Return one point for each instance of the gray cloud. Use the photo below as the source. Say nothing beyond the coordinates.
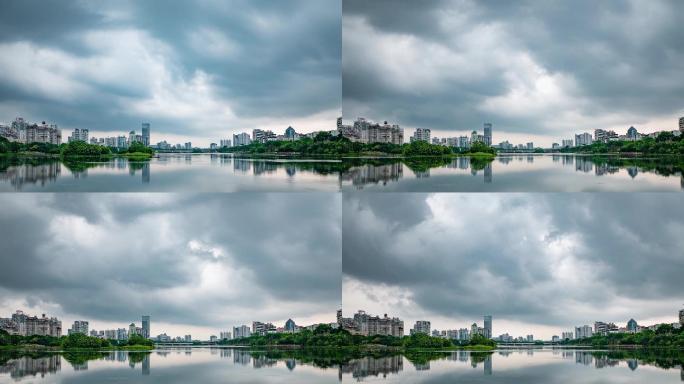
(542, 69)
(556, 260)
(201, 260)
(192, 68)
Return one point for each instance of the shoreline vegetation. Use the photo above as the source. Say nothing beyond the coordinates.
(665, 144)
(327, 145)
(73, 150)
(664, 337)
(73, 342)
(325, 336)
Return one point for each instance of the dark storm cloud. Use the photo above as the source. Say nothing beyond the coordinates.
(110, 66)
(547, 259)
(540, 68)
(112, 257)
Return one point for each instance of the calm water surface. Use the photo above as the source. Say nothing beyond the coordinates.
(224, 173)
(218, 365)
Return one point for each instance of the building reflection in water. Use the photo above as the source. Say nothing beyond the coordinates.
(28, 366)
(373, 174)
(41, 174)
(371, 366)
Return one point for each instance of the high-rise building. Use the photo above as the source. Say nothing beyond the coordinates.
(121, 334)
(26, 325)
(78, 135)
(379, 133)
(421, 326)
(632, 134)
(681, 124)
(34, 133)
(368, 325)
(291, 134)
(146, 326)
(224, 335)
(681, 317)
(488, 326)
(421, 134)
(132, 330)
(583, 331)
(567, 335)
(241, 331)
(241, 139)
(530, 338)
(530, 146)
(131, 138)
(567, 143)
(583, 139)
(632, 326)
(474, 330)
(79, 326)
(260, 135)
(290, 326)
(146, 135)
(488, 134)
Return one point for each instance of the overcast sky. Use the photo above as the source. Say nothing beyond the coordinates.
(537, 70)
(197, 264)
(196, 70)
(538, 263)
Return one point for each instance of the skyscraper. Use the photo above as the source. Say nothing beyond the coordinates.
(79, 326)
(488, 133)
(146, 326)
(146, 134)
(421, 326)
(681, 124)
(488, 326)
(681, 316)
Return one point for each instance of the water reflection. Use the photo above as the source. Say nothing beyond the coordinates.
(220, 172)
(502, 365)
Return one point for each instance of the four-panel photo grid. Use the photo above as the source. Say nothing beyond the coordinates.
(325, 191)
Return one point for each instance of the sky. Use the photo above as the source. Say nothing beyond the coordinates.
(540, 264)
(197, 264)
(537, 70)
(195, 70)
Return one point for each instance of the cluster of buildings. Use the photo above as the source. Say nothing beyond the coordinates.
(22, 131)
(369, 325)
(119, 142)
(25, 325)
(462, 334)
(424, 134)
(602, 328)
(262, 136)
(82, 327)
(261, 329)
(604, 136)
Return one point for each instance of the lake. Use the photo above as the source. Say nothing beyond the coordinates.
(225, 173)
(218, 365)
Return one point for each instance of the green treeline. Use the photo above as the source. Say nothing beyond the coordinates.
(74, 341)
(665, 144)
(664, 337)
(326, 144)
(326, 336)
(73, 149)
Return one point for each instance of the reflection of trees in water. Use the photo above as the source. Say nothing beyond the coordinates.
(21, 364)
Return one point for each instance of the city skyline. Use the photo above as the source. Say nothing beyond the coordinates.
(452, 65)
(228, 67)
(195, 263)
(539, 264)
